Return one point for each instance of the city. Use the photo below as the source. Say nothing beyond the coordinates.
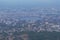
(13, 21)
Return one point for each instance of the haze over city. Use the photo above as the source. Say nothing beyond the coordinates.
(29, 19)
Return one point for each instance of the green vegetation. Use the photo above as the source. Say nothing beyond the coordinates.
(44, 35)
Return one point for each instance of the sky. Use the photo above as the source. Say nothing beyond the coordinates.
(29, 2)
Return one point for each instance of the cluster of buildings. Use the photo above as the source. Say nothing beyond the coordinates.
(28, 20)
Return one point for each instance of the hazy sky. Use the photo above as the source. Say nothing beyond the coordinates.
(30, 2)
